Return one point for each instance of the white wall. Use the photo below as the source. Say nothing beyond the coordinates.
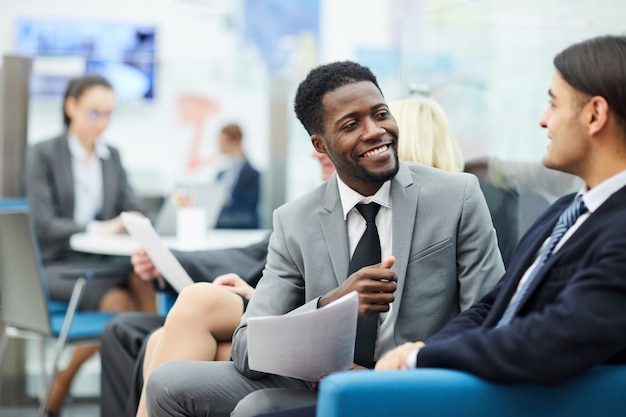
(199, 52)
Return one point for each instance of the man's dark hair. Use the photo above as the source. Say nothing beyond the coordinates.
(597, 67)
(77, 87)
(321, 80)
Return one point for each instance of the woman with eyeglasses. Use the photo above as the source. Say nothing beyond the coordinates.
(76, 183)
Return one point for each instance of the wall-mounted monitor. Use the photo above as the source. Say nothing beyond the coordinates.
(122, 52)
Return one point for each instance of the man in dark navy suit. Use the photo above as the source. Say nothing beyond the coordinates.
(560, 308)
(241, 181)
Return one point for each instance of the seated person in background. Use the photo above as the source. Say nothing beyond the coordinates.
(439, 246)
(425, 135)
(242, 183)
(195, 313)
(76, 183)
(560, 309)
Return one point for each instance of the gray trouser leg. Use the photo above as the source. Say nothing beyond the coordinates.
(274, 399)
(194, 388)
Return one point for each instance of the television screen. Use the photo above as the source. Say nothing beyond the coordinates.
(124, 53)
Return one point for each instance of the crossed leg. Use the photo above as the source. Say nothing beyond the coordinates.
(199, 326)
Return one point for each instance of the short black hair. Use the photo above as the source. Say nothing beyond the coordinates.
(321, 80)
(597, 67)
(77, 87)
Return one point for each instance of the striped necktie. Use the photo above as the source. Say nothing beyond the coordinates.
(566, 220)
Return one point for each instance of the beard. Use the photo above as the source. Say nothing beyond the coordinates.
(381, 176)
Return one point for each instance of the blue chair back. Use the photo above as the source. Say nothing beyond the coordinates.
(165, 301)
(23, 286)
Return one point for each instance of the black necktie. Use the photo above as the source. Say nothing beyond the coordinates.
(367, 252)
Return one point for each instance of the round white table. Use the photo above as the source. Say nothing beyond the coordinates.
(124, 245)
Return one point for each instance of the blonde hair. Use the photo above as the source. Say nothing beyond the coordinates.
(425, 135)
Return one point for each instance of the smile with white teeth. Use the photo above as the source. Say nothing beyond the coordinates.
(376, 151)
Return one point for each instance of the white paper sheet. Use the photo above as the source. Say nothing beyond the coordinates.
(143, 232)
(306, 345)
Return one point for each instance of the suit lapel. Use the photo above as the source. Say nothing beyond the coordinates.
(335, 230)
(404, 198)
(589, 223)
(109, 179)
(64, 177)
(523, 257)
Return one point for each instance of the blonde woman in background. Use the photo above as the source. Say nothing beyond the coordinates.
(425, 135)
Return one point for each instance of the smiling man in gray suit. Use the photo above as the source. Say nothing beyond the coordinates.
(438, 249)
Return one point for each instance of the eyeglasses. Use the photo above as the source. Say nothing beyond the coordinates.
(95, 115)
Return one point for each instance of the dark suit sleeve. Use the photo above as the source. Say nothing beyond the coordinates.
(205, 266)
(471, 318)
(582, 325)
(43, 196)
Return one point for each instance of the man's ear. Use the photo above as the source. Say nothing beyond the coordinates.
(598, 115)
(319, 143)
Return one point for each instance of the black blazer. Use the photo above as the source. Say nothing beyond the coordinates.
(572, 318)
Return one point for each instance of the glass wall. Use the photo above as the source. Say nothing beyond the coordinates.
(489, 64)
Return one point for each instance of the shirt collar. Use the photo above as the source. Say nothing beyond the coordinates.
(595, 197)
(350, 198)
(78, 151)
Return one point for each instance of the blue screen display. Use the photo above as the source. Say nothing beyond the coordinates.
(124, 53)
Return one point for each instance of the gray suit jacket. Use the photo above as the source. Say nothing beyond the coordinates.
(443, 241)
(50, 193)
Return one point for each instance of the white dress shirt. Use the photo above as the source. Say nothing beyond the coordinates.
(88, 185)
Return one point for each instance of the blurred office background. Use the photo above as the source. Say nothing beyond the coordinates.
(183, 68)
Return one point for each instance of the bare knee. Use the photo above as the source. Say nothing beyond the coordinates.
(117, 299)
(197, 300)
(153, 340)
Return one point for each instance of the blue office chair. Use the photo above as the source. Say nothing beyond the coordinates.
(27, 310)
(448, 393)
(165, 301)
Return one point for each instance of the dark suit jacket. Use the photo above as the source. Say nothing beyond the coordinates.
(50, 193)
(241, 211)
(205, 265)
(572, 318)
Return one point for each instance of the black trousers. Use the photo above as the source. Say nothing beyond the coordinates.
(122, 350)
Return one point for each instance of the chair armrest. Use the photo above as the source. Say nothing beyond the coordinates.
(447, 393)
(104, 271)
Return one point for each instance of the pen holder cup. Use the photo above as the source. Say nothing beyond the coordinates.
(191, 227)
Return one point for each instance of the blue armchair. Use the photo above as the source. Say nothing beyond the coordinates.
(447, 393)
